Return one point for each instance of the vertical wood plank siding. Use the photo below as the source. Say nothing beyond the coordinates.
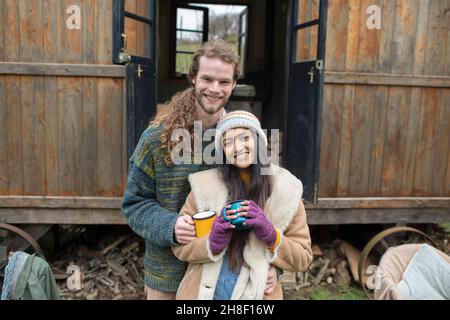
(60, 135)
(382, 140)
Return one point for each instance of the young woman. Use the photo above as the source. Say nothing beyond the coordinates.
(230, 263)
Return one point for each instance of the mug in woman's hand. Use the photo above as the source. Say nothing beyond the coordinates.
(238, 222)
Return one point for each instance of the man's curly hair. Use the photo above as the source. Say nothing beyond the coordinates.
(180, 116)
(182, 105)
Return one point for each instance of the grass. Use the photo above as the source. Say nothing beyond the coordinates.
(184, 60)
(328, 293)
(446, 227)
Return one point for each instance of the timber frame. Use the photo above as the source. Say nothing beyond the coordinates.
(106, 210)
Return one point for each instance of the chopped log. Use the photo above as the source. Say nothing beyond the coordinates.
(288, 279)
(342, 276)
(93, 295)
(117, 268)
(331, 271)
(316, 251)
(113, 245)
(353, 256)
(105, 280)
(125, 278)
(131, 247)
(314, 264)
(303, 285)
(322, 272)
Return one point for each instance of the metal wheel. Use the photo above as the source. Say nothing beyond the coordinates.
(24, 235)
(381, 243)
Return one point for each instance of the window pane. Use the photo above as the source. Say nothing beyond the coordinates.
(307, 10)
(188, 41)
(138, 37)
(189, 19)
(138, 7)
(223, 23)
(307, 44)
(183, 63)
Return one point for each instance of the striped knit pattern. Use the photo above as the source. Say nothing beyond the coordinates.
(12, 271)
(154, 195)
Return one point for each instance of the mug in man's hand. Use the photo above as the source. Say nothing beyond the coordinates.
(203, 222)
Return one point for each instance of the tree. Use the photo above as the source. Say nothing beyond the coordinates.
(224, 26)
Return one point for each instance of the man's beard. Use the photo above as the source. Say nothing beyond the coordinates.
(198, 97)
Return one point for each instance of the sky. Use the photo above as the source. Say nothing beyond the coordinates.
(191, 18)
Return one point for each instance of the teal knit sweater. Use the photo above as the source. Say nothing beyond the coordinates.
(153, 197)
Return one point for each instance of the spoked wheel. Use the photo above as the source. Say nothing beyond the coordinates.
(377, 246)
(22, 234)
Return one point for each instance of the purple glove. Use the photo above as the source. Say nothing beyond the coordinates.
(257, 220)
(220, 235)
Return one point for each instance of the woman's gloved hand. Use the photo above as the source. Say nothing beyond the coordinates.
(220, 235)
(263, 228)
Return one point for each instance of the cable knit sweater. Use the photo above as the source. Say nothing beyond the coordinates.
(153, 197)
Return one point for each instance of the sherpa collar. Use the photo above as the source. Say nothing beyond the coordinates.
(210, 193)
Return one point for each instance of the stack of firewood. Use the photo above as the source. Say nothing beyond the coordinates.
(331, 266)
(114, 273)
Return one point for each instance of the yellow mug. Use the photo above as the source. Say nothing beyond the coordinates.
(203, 222)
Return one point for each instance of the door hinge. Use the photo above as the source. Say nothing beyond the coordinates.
(140, 71)
(319, 65)
(124, 56)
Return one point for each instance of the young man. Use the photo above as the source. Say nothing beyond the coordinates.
(156, 187)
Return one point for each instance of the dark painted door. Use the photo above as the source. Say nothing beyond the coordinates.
(140, 68)
(306, 48)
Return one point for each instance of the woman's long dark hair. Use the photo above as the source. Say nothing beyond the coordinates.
(258, 190)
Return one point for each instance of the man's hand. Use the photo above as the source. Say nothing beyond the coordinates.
(184, 229)
(272, 279)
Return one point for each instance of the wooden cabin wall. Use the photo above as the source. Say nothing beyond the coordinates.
(62, 108)
(385, 124)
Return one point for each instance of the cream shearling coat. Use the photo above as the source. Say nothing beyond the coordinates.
(285, 210)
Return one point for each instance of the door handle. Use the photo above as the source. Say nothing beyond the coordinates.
(311, 75)
(140, 71)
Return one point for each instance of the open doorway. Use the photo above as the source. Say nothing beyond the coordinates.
(200, 22)
(281, 87)
(246, 24)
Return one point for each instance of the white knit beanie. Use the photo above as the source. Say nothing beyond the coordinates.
(238, 119)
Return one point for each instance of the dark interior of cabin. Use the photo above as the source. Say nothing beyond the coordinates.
(256, 28)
